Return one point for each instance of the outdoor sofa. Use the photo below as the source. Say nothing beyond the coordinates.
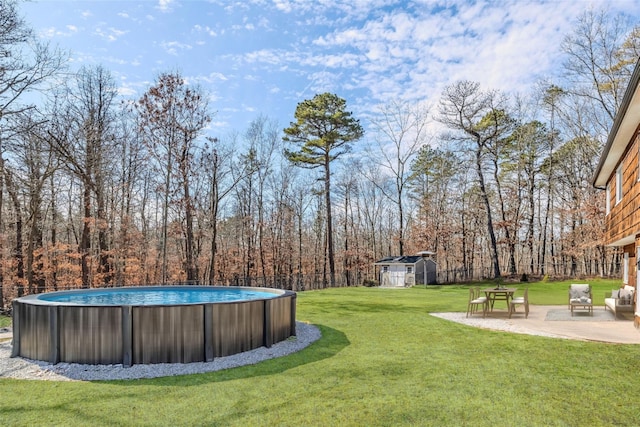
(619, 300)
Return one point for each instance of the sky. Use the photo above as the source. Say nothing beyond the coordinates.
(263, 57)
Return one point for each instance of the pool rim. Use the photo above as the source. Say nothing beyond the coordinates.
(36, 300)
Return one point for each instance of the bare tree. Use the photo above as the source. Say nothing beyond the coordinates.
(25, 63)
(477, 117)
(34, 164)
(598, 68)
(401, 129)
(82, 134)
(223, 175)
(172, 116)
(431, 181)
(261, 137)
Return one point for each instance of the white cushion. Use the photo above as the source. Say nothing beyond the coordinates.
(611, 303)
(577, 291)
(615, 293)
(518, 300)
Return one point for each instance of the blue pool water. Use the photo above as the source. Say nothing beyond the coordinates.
(166, 296)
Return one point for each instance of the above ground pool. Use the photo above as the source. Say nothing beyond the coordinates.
(150, 324)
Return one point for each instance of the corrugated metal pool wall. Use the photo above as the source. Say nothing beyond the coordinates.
(149, 334)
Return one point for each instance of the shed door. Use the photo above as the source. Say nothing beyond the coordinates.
(396, 276)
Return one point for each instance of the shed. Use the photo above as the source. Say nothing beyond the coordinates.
(404, 271)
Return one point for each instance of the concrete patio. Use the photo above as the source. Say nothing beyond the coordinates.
(580, 327)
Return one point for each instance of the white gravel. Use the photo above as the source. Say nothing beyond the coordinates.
(495, 324)
(21, 368)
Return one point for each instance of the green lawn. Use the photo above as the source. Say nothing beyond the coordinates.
(382, 360)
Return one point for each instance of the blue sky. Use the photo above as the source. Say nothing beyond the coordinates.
(263, 57)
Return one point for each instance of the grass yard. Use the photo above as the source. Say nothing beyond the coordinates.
(382, 360)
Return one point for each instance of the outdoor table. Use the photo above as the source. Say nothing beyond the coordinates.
(499, 294)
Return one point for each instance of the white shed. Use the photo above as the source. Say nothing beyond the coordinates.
(404, 271)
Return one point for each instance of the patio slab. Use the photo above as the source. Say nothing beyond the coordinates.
(580, 327)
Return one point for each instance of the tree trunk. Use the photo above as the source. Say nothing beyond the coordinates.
(401, 225)
(165, 216)
(85, 241)
(54, 239)
(505, 223)
(104, 267)
(487, 204)
(327, 196)
(17, 252)
(213, 218)
(192, 273)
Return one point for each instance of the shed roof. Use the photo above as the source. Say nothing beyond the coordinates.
(399, 260)
(624, 126)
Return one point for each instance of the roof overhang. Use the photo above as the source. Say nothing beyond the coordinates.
(624, 126)
(624, 241)
(395, 263)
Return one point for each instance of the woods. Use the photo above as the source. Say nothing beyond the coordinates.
(97, 189)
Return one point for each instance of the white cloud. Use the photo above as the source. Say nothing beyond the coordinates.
(212, 78)
(165, 5)
(263, 56)
(285, 6)
(172, 48)
(126, 92)
(110, 34)
(206, 30)
(218, 124)
(417, 51)
(368, 51)
(51, 32)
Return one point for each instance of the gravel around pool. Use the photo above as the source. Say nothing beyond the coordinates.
(19, 368)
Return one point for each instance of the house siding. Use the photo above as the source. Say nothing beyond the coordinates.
(623, 222)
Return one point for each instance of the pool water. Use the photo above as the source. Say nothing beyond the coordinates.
(170, 296)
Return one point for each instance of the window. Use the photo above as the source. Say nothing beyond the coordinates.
(385, 268)
(608, 198)
(619, 184)
(409, 270)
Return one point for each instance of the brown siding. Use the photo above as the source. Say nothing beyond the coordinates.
(624, 219)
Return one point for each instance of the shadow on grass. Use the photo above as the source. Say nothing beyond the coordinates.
(330, 343)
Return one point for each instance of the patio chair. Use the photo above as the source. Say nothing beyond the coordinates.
(580, 298)
(523, 300)
(478, 296)
(475, 301)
